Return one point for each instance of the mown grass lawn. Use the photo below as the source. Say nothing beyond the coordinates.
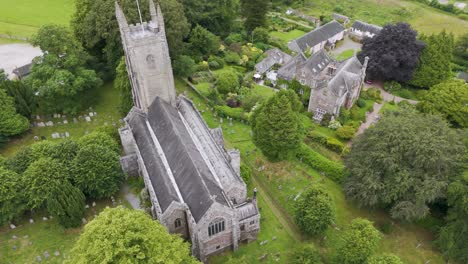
(24, 17)
(287, 179)
(346, 54)
(287, 36)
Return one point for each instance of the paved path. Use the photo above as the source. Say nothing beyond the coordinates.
(131, 198)
(17, 55)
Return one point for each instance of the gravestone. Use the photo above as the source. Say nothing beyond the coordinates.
(41, 124)
(46, 254)
(83, 220)
(38, 258)
(75, 120)
(38, 117)
(55, 115)
(91, 114)
(59, 123)
(36, 138)
(57, 253)
(12, 226)
(14, 237)
(55, 135)
(67, 134)
(44, 218)
(65, 122)
(50, 124)
(94, 204)
(59, 115)
(88, 119)
(13, 247)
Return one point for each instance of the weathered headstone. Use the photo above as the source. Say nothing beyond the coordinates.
(41, 124)
(67, 134)
(50, 124)
(38, 258)
(65, 122)
(94, 204)
(57, 253)
(87, 206)
(36, 138)
(59, 123)
(46, 254)
(38, 117)
(14, 237)
(83, 220)
(12, 226)
(44, 218)
(88, 119)
(75, 120)
(91, 114)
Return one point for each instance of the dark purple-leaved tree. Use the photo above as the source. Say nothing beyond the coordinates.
(393, 53)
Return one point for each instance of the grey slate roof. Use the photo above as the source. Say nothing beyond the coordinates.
(319, 35)
(366, 27)
(288, 71)
(23, 70)
(246, 211)
(340, 17)
(195, 181)
(163, 187)
(317, 62)
(274, 56)
(463, 76)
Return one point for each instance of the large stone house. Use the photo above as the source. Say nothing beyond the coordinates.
(193, 182)
(361, 30)
(319, 38)
(273, 56)
(333, 84)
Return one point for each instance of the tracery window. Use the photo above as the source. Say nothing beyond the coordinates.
(216, 227)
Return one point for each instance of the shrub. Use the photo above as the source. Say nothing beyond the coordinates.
(346, 132)
(331, 169)
(214, 65)
(246, 174)
(227, 82)
(325, 120)
(328, 142)
(335, 145)
(356, 114)
(335, 124)
(217, 59)
(385, 259)
(372, 94)
(235, 113)
(232, 58)
(361, 103)
(392, 86)
(233, 38)
(306, 254)
(250, 100)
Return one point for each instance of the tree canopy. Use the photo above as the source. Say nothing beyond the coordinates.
(385, 259)
(12, 198)
(227, 82)
(403, 162)
(450, 99)
(276, 126)
(95, 26)
(23, 95)
(122, 83)
(60, 77)
(435, 61)
(203, 42)
(119, 235)
(11, 123)
(358, 242)
(314, 211)
(393, 53)
(254, 12)
(306, 255)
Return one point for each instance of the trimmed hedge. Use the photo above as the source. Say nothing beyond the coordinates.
(330, 169)
(234, 113)
(331, 143)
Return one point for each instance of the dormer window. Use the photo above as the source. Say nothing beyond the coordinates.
(216, 227)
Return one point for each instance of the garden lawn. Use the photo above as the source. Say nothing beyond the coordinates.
(107, 98)
(24, 17)
(286, 180)
(380, 12)
(345, 54)
(263, 91)
(287, 36)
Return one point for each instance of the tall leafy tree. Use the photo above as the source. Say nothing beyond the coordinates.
(3, 75)
(122, 83)
(67, 204)
(435, 61)
(460, 51)
(12, 198)
(203, 42)
(254, 12)
(121, 235)
(404, 162)
(314, 211)
(23, 95)
(277, 129)
(216, 16)
(60, 76)
(449, 99)
(358, 242)
(99, 138)
(453, 236)
(97, 171)
(95, 26)
(11, 123)
(393, 53)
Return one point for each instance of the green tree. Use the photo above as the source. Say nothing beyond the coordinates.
(101, 139)
(3, 75)
(23, 95)
(67, 205)
(276, 126)
(203, 42)
(345, 132)
(460, 51)
(184, 66)
(216, 16)
(12, 198)
(227, 82)
(435, 60)
(97, 171)
(385, 259)
(314, 211)
(122, 83)
(306, 254)
(449, 99)
(254, 12)
(60, 76)
(95, 26)
(358, 242)
(404, 162)
(11, 123)
(121, 235)
(20, 161)
(261, 34)
(452, 237)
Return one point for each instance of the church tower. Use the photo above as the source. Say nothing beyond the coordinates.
(147, 57)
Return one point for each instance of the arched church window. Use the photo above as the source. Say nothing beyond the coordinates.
(151, 61)
(177, 223)
(216, 227)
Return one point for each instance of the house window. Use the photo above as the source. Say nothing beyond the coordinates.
(177, 223)
(318, 115)
(242, 227)
(252, 222)
(216, 227)
(303, 81)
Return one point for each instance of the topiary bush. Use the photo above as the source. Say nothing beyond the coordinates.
(361, 103)
(346, 132)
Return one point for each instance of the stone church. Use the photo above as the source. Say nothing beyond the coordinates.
(193, 182)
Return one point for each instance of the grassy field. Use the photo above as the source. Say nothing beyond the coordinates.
(287, 36)
(422, 17)
(106, 109)
(24, 17)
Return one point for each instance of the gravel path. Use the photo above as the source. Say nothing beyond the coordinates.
(17, 55)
